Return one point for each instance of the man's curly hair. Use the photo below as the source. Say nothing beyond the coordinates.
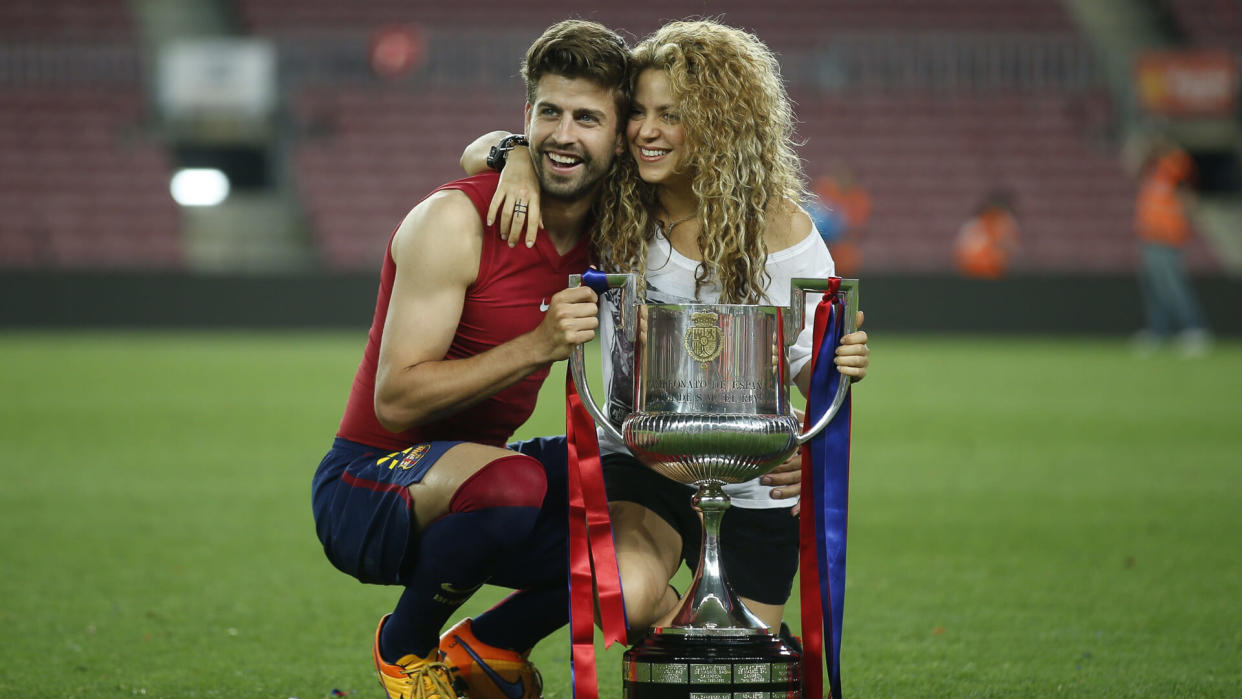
(739, 127)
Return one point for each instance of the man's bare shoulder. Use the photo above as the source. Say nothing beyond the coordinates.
(443, 228)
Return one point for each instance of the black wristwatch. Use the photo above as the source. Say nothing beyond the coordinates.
(500, 152)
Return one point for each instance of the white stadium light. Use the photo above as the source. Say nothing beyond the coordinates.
(199, 187)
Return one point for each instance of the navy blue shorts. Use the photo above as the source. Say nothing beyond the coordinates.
(361, 501)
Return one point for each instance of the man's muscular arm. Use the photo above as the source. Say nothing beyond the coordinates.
(436, 251)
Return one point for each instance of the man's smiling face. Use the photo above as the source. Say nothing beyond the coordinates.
(573, 132)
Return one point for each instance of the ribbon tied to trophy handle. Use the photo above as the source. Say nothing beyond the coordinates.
(600, 282)
(794, 321)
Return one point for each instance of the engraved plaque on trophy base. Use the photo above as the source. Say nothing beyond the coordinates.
(671, 666)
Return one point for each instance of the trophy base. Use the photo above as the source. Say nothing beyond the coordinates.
(705, 666)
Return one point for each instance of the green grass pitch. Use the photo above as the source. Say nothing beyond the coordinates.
(1028, 518)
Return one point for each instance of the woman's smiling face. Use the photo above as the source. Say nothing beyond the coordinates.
(654, 132)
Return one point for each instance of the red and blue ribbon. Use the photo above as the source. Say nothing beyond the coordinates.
(825, 506)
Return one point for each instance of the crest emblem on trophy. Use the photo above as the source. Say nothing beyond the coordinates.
(704, 341)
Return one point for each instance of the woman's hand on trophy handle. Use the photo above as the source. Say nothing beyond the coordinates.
(853, 354)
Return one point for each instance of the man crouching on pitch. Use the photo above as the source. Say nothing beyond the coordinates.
(418, 489)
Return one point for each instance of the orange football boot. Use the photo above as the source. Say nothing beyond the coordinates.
(412, 677)
(489, 672)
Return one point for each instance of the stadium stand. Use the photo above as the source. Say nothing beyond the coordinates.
(927, 156)
(80, 186)
(927, 159)
(781, 23)
(375, 152)
(363, 149)
(65, 20)
(1209, 23)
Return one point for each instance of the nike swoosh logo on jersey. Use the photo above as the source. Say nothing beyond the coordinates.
(543, 306)
(512, 690)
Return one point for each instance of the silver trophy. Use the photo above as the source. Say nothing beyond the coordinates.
(711, 407)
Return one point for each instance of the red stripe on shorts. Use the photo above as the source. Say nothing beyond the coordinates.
(403, 491)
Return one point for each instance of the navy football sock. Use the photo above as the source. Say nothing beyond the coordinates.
(491, 512)
(524, 618)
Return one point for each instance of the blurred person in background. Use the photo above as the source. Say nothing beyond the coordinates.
(841, 210)
(988, 239)
(1162, 223)
(706, 212)
(419, 489)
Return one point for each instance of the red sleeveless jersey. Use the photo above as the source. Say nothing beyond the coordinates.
(508, 299)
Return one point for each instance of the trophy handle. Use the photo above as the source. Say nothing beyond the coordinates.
(601, 282)
(793, 325)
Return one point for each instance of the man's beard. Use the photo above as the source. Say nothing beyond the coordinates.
(570, 188)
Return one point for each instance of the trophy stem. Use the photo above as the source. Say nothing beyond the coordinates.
(710, 603)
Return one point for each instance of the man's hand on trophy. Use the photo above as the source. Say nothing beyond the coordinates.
(853, 354)
(570, 319)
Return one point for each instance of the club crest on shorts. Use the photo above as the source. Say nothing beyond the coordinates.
(406, 458)
(704, 341)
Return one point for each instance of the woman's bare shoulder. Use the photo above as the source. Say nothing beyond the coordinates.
(788, 224)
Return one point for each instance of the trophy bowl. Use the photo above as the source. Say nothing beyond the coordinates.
(697, 448)
(711, 395)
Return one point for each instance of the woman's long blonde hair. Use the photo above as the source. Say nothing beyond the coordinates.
(739, 148)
